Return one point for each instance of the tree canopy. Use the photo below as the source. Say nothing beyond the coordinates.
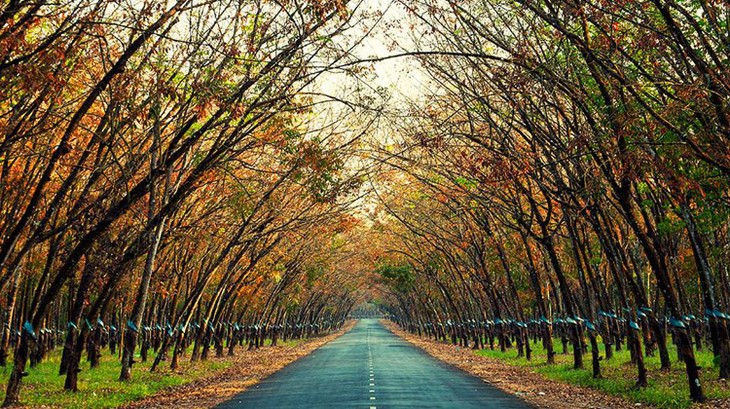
(178, 174)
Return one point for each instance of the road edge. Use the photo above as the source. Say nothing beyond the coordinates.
(249, 368)
(530, 386)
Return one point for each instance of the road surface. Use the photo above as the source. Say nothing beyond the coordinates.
(371, 368)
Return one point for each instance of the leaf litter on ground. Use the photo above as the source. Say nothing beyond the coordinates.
(530, 386)
(248, 369)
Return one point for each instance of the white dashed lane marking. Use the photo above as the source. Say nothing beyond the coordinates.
(371, 390)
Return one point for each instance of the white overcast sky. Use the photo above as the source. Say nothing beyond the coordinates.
(402, 77)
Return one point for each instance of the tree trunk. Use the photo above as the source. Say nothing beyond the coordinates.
(596, 359)
(720, 341)
(12, 393)
(9, 312)
(634, 342)
(71, 383)
(155, 238)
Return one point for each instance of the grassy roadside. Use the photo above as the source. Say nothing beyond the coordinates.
(665, 390)
(559, 386)
(99, 387)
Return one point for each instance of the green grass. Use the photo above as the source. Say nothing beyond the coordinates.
(99, 387)
(665, 390)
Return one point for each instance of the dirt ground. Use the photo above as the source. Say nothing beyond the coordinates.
(531, 386)
(250, 367)
(523, 382)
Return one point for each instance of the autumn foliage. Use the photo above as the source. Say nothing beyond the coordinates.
(162, 183)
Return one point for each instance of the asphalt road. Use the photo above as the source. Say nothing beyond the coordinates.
(371, 368)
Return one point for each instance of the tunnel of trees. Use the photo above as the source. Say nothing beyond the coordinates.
(173, 179)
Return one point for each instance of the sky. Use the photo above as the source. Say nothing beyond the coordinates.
(402, 77)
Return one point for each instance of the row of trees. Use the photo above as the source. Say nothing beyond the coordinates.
(568, 173)
(163, 181)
